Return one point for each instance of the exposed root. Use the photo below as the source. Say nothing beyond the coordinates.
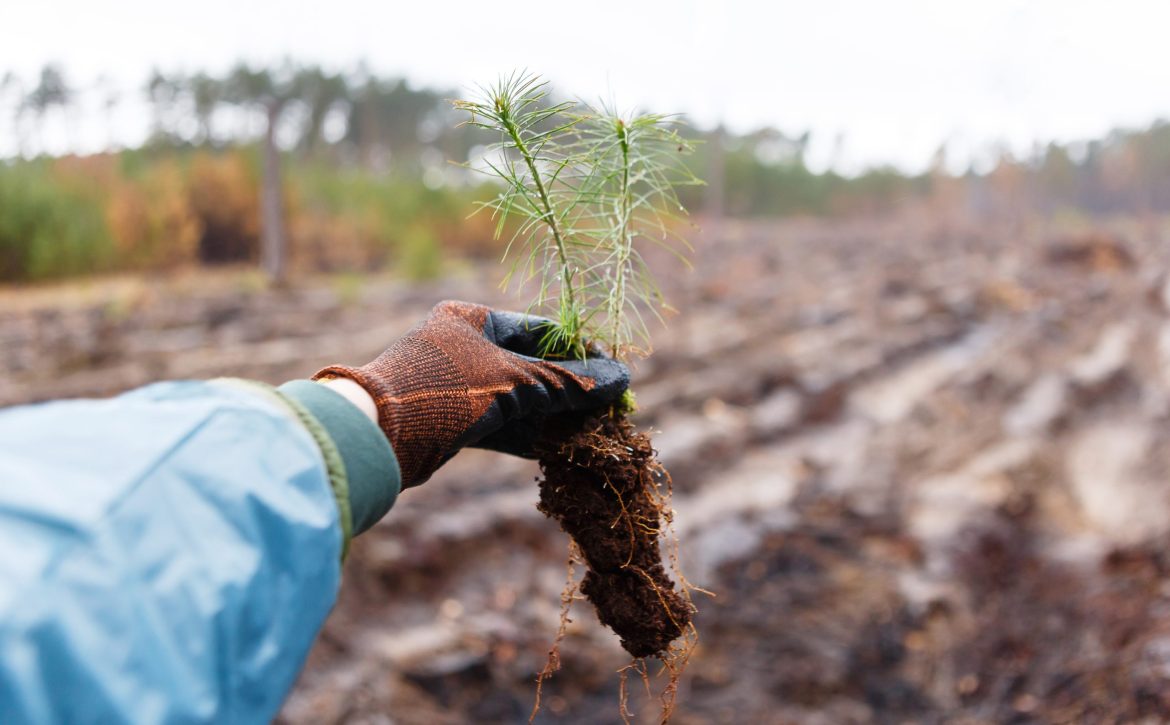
(624, 694)
(604, 486)
(568, 594)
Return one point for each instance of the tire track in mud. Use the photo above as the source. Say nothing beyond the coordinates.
(867, 450)
(703, 439)
(852, 491)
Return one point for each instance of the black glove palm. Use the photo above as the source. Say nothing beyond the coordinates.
(469, 376)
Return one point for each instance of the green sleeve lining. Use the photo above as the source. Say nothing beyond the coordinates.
(371, 467)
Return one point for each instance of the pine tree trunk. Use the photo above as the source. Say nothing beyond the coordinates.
(273, 241)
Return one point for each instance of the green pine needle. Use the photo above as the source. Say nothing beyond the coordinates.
(589, 187)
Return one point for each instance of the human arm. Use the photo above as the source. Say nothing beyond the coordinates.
(170, 554)
(167, 555)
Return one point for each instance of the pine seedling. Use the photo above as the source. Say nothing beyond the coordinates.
(589, 187)
(584, 190)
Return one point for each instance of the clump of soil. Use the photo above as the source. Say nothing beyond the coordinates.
(601, 484)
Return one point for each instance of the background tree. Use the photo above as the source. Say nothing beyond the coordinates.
(163, 92)
(52, 91)
(12, 94)
(320, 93)
(384, 121)
(270, 93)
(109, 98)
(206, 93)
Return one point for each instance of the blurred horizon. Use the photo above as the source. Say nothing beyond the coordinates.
(311, 170)
(871, 86)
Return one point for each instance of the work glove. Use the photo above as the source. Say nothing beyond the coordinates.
(469, 376)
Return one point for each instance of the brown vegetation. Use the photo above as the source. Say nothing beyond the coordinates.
(923, 470)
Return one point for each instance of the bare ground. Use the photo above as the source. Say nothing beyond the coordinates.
(924, 471)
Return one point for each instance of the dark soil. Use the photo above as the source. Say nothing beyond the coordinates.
(601, 484)
(904, 530)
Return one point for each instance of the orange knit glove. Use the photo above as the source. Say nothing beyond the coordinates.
(468, 375)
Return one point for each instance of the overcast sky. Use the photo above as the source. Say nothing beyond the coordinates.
(875, 82)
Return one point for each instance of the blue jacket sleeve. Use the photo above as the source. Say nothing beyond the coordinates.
(165, 556)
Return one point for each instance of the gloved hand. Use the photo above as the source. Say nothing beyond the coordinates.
(468, 376)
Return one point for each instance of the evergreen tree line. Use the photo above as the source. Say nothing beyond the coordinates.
(296, 152)
(385, 125)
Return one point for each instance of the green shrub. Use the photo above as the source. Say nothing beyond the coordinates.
(141, 210)
(49, 227)
(421, 256)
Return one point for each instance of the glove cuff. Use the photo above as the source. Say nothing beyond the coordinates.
(422, 403)
(370, 383)
(382, 396)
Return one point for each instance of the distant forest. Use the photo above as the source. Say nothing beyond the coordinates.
(300, 167)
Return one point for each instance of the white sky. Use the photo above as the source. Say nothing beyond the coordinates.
(875, 82)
